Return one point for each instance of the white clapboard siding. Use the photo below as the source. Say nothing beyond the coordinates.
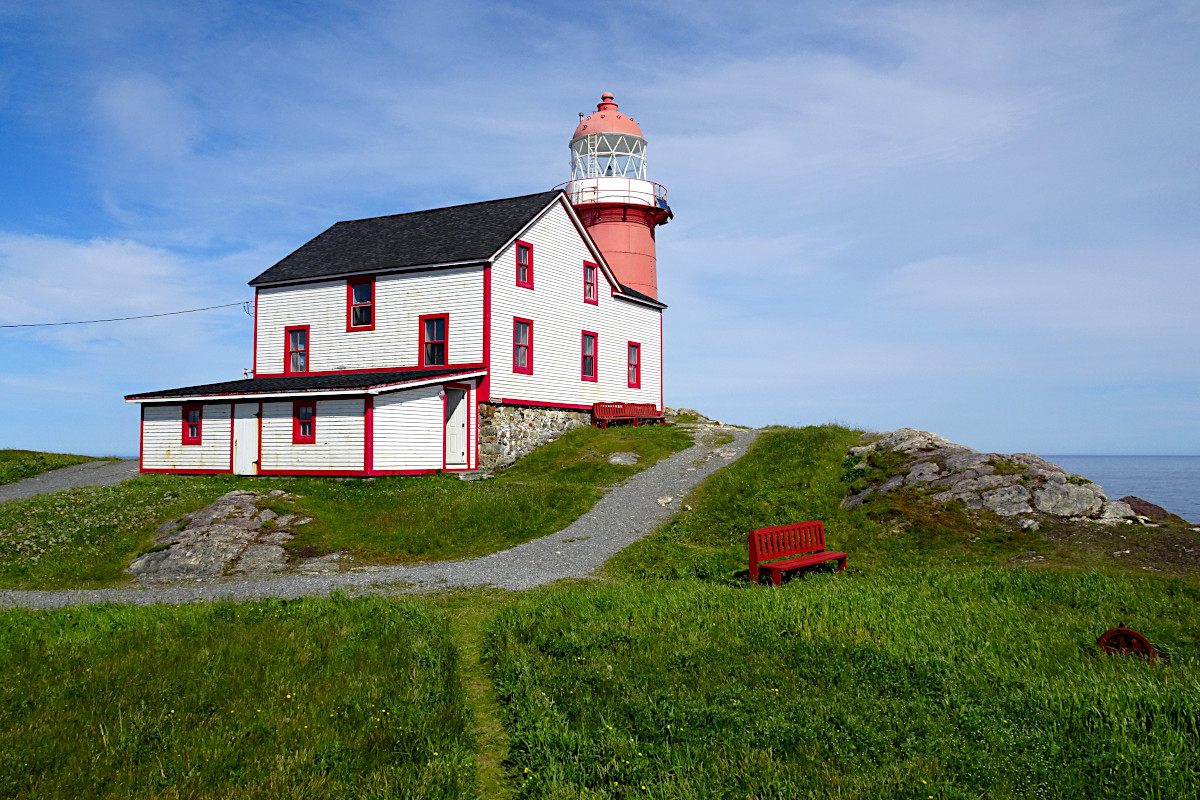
(560, 316)
(162, 438)
(400, 300)
(409, 430)
(339, 437)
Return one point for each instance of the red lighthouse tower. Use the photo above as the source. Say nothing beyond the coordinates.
(616, 203)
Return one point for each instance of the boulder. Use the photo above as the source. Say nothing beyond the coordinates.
(1147, 509)
(922, 472)
(1068, 499)
(623, 459)
(1007, 501)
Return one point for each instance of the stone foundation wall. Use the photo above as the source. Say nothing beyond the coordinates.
(508, 432)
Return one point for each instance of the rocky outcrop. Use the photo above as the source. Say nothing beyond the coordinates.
(230, 535)
(1006, 485)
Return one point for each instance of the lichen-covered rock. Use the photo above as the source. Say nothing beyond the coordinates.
(922, 472)
(1007, 501)
(1068, 499)
(623, 459)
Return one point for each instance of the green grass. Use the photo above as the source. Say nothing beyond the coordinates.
(315, 698)
(86, 537)
(17, 465)
(438, 517)
(961, 683)
(934, 667)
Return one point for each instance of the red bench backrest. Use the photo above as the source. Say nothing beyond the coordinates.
(782, 541)
(608, 410)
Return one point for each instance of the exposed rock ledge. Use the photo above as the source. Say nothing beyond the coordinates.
(1007, 485)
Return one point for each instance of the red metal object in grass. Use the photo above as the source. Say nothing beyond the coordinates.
(1124, 641)
(804, 539)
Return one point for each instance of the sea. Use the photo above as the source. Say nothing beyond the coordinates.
(1172, 482)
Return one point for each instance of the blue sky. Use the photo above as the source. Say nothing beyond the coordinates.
(979, 219)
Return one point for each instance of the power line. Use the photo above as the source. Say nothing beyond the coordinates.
(122, 319)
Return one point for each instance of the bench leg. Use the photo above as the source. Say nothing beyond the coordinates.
(777, 577)
(754, 574)
(841, 565)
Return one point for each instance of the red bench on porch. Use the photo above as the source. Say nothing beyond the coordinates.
(637, 413)
(799, 545)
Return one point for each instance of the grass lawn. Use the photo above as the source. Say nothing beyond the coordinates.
(314, 698)
(16, 465)
(86, 537)
(929, 669)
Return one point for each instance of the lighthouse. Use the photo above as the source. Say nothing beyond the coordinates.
(615, 201)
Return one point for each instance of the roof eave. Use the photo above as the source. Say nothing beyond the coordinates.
(380, 388)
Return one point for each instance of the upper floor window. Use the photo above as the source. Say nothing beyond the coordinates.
(635, 365)
(591, 276)
(360, 304)
(523, 345)
(588, 356)
(434, 333)
(193, 423)
(304, 422)
(525, 264)
(296, 356)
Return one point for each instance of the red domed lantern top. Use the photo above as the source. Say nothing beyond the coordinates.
(607, 119)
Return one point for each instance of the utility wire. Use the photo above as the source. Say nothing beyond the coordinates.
(121, 319)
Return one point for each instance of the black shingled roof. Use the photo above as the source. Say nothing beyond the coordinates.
(472, 232)
(306, 383)
(634, 293)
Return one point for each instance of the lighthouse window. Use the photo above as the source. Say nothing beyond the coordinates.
(193, 421)
(523, 346)
(360, 304)
(525, 265)
(590, 276)
(635, 365)
(433, 340)
(588, 371)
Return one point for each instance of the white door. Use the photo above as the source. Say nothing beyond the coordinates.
(456, 429)
(245, 439)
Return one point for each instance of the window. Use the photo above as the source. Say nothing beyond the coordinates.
(523, 345)
(296, 359)
(360, 304)
(433, 339)
(525, 265)
(635, 365)
(304, 422)
(588, 357)
(590, 277)
(193, 423)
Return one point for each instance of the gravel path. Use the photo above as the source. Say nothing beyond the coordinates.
(91, 473)
(624, 515)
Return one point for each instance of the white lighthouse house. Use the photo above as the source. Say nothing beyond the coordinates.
(615, 201)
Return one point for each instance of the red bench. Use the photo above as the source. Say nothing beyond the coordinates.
(604, 413)
(799, 545)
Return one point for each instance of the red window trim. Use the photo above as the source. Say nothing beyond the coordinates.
(350, 304)
(297, 437)
(635, 380)
(594, 283)
(287, 354)
(199, 437)
(595, 356)
(528, 368)
(421, 339)
(517, 259)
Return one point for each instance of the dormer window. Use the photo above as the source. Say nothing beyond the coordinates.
(296, 358)
(360, 304)
(591, 274)
(525, 265)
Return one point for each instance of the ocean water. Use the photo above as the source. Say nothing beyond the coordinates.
(1172, 482)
